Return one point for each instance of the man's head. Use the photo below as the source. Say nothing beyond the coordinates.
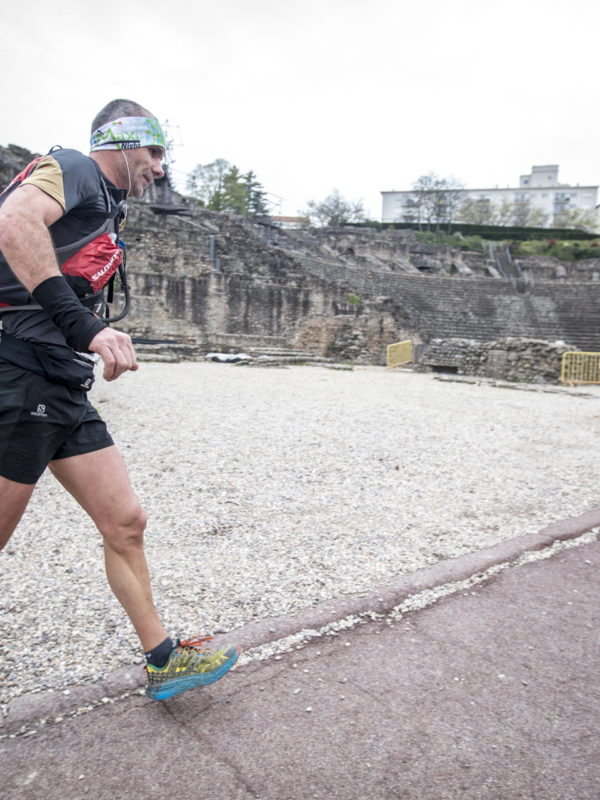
(128, 144)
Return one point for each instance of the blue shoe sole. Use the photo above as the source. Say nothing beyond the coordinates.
(178, 685)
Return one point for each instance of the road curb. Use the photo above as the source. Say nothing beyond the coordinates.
(31, 710)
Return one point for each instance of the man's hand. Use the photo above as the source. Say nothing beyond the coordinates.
(116, 350)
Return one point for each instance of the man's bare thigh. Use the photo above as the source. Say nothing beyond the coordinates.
(13, 502)
(100, 483)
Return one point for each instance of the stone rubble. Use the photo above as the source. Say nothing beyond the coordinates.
(509, 358)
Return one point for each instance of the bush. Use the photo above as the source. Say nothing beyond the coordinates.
(492, 233)
(558, 248)
(475, 243)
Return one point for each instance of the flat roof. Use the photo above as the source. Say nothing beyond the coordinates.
(497, 189)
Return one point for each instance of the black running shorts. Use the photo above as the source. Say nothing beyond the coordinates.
(41, 421)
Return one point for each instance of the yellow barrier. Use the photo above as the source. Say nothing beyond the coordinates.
(580, 368)
(399, 353)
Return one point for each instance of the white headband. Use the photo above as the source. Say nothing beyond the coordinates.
(128, 133)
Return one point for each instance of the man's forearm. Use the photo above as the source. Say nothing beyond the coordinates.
(77, 323)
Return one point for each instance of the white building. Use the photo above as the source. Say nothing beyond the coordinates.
(540, 190)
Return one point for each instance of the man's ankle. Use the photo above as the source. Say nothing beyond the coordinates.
(159, 655)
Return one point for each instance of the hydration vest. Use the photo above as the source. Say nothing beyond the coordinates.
(89, 264)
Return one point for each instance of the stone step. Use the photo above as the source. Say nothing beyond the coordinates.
(279, 352)
(180, 351)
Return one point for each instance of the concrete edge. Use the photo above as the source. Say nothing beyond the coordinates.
(54, 705)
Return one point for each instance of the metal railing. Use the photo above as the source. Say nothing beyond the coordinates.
(399, 353)
(509, 268)
(580, 368)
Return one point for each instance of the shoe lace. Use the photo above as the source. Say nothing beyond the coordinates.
(194, 644)
(191, 644)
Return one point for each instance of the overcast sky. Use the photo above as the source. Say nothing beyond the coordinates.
(355, 95)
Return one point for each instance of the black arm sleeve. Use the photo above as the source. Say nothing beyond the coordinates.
(77, 323)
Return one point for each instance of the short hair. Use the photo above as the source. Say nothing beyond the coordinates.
(119, 108)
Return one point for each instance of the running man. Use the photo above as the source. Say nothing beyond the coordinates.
(59, 248)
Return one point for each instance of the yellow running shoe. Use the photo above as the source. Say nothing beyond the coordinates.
(190, 665)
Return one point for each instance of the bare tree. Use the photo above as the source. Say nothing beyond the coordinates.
(334, 211)
(452, 200)
(576, 218)
(205, 182)
(504, 212)
(522, 211)
(537, 218)
(477, 211)
(435, 200)
(411, 210)
(426, 195)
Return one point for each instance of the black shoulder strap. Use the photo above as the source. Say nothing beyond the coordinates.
(115, 210)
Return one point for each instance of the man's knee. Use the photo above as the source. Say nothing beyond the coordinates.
(126, 533)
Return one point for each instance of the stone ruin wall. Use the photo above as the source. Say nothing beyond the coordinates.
(293, 290)
(508, 359)
(255, 296)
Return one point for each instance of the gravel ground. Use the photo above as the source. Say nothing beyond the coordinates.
(269, 490)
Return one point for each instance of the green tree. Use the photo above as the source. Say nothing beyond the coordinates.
(219, 186)
(256, 196)
(234, 198)
(334, 211)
